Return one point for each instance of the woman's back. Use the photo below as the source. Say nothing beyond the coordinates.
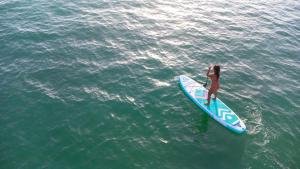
(214, 81)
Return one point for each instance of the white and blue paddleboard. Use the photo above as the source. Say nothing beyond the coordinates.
(217, 109)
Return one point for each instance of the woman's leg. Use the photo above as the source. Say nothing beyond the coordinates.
(215, 93)
(208, 97)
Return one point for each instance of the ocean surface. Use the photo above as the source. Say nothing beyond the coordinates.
(93, 84)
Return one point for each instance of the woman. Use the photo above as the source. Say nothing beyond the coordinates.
(214, 77)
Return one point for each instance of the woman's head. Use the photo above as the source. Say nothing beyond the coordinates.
(217, 70)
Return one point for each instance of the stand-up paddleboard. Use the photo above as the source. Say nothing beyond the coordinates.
(217, 109)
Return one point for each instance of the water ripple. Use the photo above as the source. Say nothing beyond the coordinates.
(108, 70)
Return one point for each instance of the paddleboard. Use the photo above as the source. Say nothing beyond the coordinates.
(217, 109)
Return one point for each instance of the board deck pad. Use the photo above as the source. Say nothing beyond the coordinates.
(217, 109)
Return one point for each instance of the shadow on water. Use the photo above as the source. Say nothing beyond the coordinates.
(219, 143)
(202, 124)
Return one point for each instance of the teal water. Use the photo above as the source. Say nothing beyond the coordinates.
(93, 84)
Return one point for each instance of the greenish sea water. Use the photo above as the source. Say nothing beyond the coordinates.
(94, 84)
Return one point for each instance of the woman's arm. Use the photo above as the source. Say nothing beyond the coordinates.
(209, 68)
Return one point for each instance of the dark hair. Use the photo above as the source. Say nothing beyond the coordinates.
(217, 70)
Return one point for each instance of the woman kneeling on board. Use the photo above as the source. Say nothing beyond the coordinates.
(214, 77)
